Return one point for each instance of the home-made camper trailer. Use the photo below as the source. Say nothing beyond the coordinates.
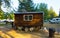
(28, 20)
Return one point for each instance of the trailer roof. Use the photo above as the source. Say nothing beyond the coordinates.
(27, 12)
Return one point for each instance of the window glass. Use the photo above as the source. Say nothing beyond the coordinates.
(30, 17)
(26, 18)
(57, 19)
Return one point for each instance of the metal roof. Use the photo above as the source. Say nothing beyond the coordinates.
(27, 12)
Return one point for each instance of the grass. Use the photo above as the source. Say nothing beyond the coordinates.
(48, 25)
(2, 24)
(29, 35)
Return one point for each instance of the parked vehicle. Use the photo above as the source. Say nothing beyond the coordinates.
(55, 20)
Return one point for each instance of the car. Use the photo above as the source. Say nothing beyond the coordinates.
(45, 20)
(55, 20)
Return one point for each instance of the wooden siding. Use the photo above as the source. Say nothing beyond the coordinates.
(37, 20)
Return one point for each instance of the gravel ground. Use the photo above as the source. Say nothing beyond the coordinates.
(6, 31)
(49, 25)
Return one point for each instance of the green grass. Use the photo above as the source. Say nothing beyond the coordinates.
(2, 24)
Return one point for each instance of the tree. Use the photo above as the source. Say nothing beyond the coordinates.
(48, 13)
(7, 3)
(0, 9)
(11, 15)
(43, 7)
(26, 5)
(51, 13)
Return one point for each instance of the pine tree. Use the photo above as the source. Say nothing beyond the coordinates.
(26, 5)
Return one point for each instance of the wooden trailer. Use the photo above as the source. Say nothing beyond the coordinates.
(28, 20)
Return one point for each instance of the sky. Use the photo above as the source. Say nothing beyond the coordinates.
(14, 4)
(55, 4)
(51, 3)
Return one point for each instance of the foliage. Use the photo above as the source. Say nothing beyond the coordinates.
(12, 15)
(48, 13)
(43, 7)
(7, 4)
(26, 5)
(9, 15)
(1, 15)
(51, 13)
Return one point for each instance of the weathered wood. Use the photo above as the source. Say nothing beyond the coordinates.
(37, 20)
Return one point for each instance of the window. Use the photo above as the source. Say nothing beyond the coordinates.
(28, 17)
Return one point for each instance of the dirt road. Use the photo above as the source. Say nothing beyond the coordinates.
(8, 32)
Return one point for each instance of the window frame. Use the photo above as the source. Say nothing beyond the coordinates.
(28, 17)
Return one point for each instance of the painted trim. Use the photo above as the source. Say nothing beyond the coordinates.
(28, 17)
